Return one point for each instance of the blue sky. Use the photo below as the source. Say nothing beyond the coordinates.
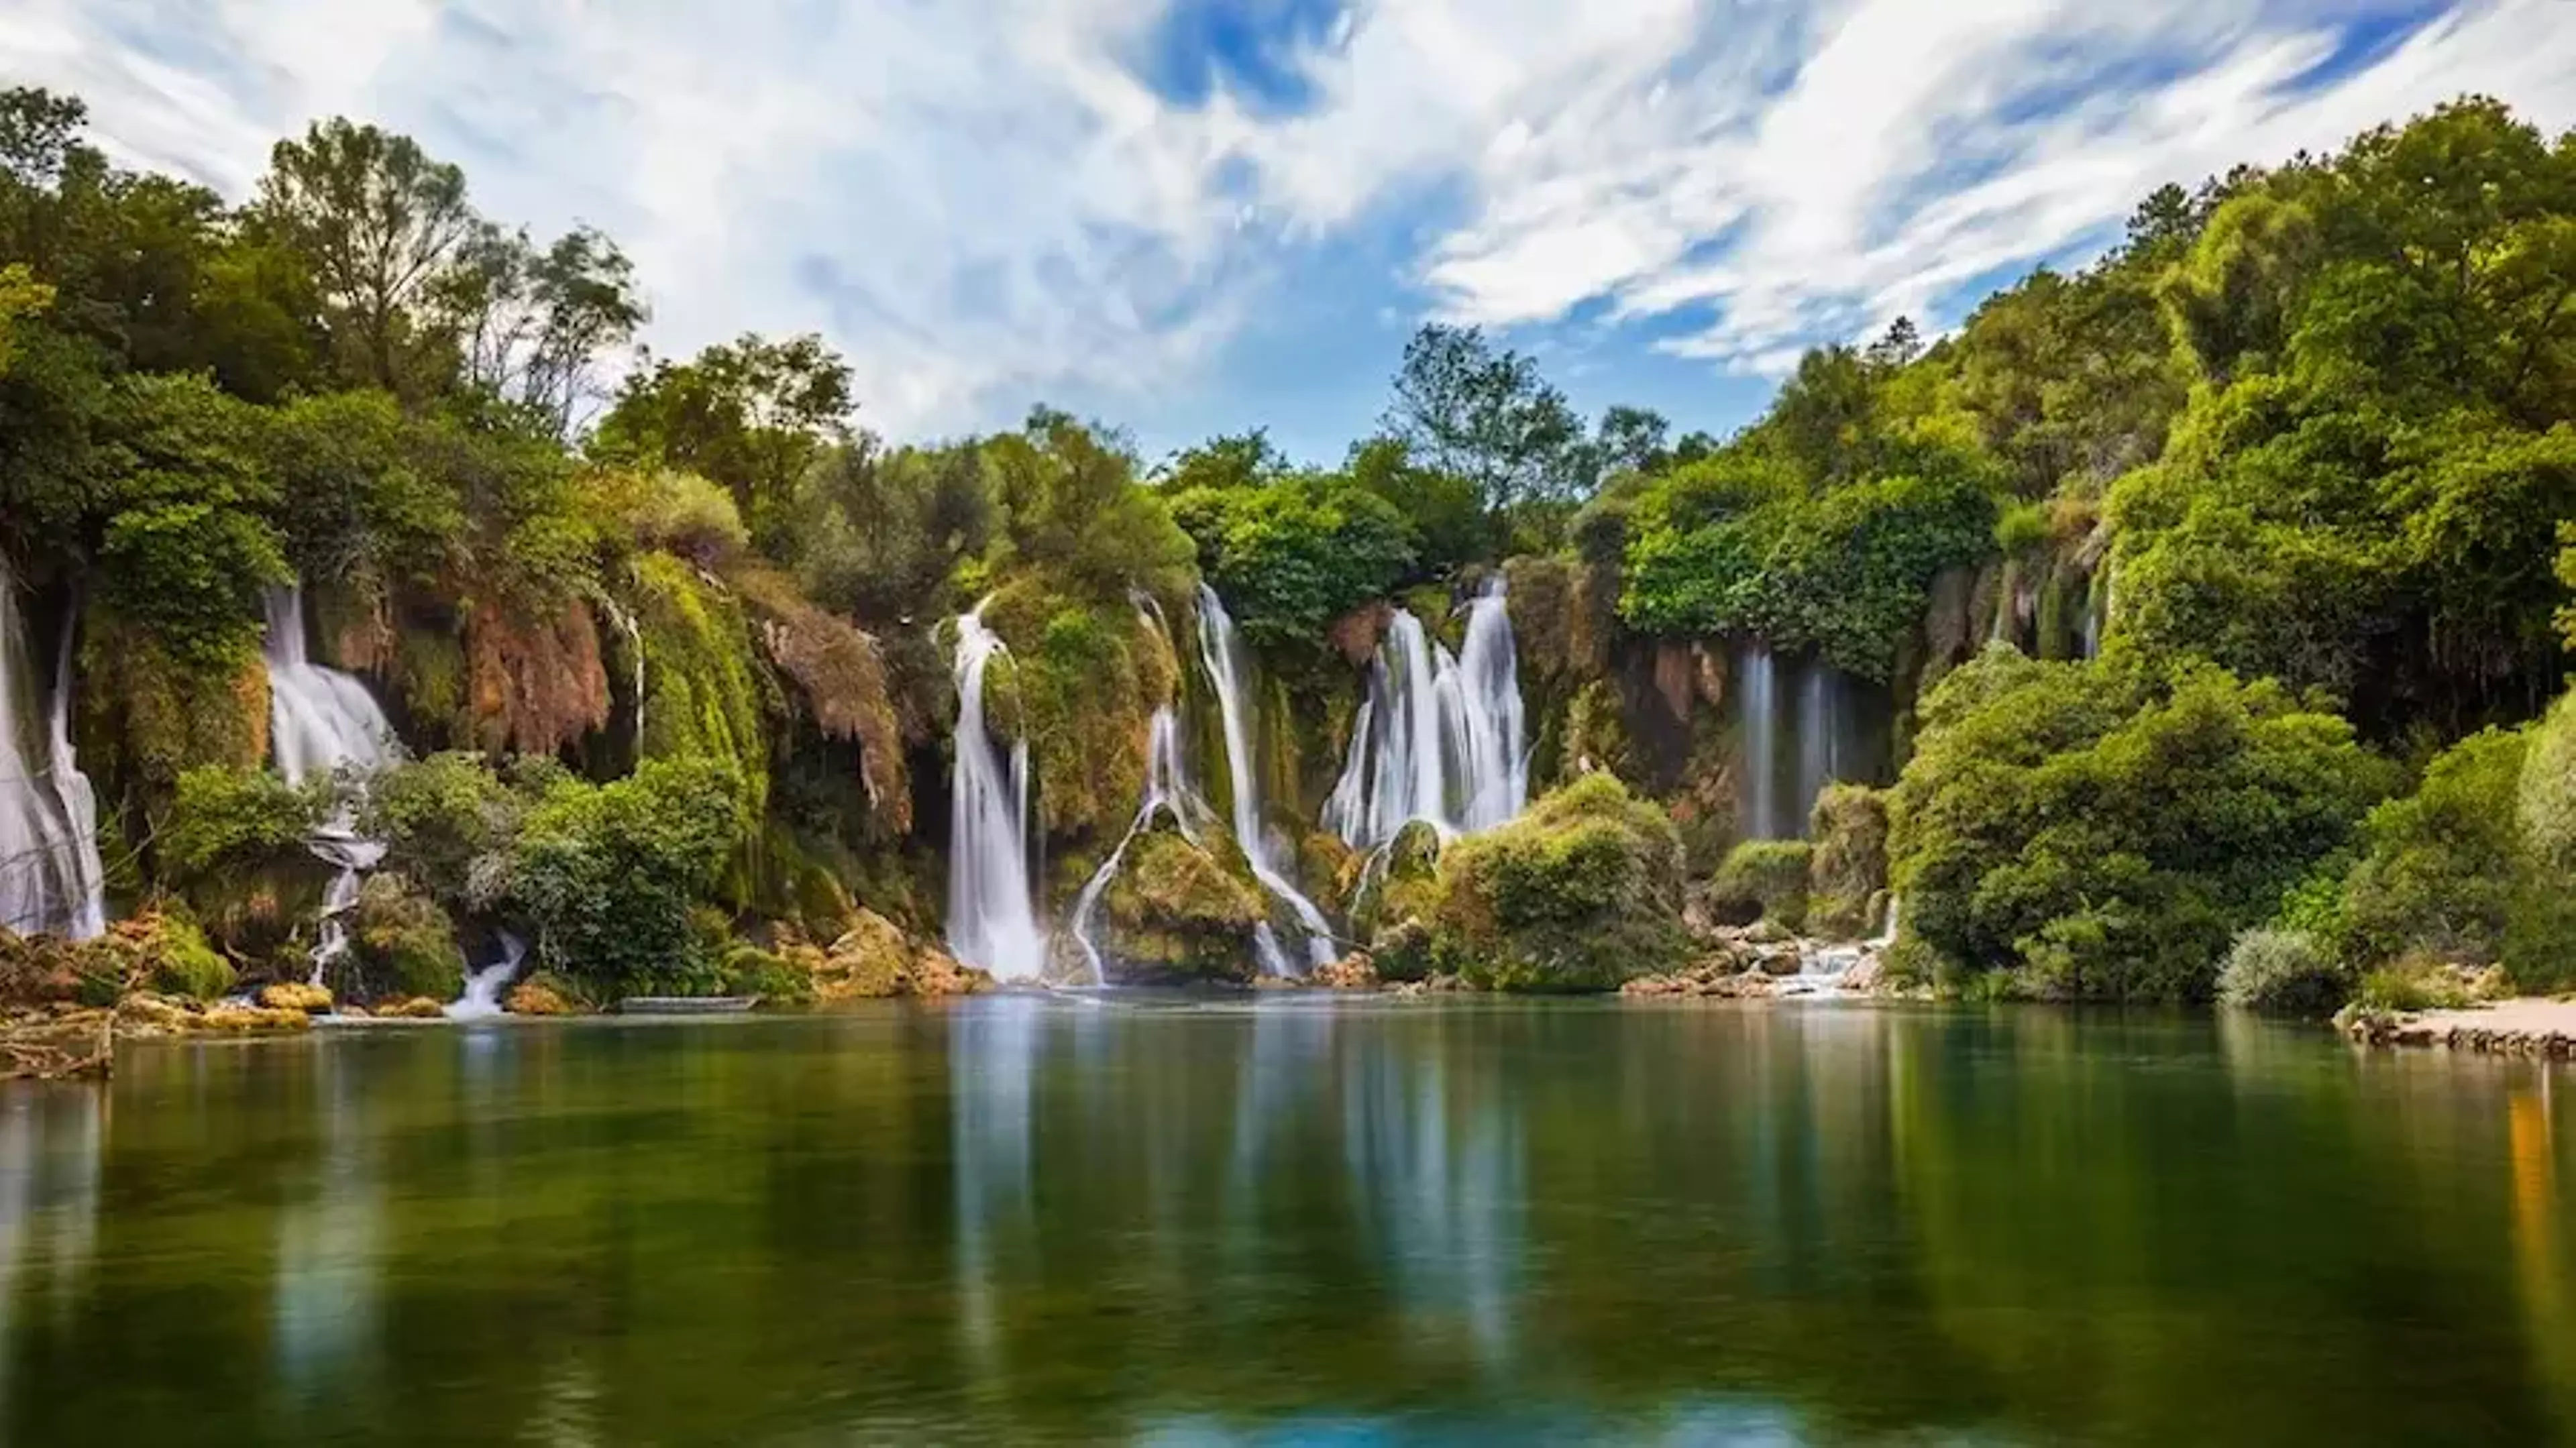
(1187, 216)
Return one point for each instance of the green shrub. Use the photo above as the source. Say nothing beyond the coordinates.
(2414, 984)
(1763, 880)
(1581, 893)
(2440, 869)
(610, 873)
(2282, 972)
(748, 970)
(2112, 828)
(446, 821)
(229, 821)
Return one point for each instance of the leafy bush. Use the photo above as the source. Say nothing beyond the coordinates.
(1292, 556)
(1739, 545)
(2282, 972)
(2113, 828)
(182, 963)
(2414, 984)
(610, 873)
(1579, 894)
(446, 821)
(1763, 880)
(2442, 866)
(224, 820)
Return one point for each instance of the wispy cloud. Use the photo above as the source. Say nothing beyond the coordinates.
(986, 201)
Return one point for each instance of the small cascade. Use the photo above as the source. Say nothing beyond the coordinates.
(321, 722)
(50, 876)
(482, 998)
(1166, 788)
(2097, 612)
(1760, 742)
(992, 917)
(1221, 652)
(1440, 738)
(635, 644)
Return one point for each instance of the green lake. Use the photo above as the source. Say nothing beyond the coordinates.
(1295, 1220)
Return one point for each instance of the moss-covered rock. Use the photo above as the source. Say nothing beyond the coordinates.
(703, 683)
(545, 994)
(161, 950)
(1763, 880)
(295, 996)
(874, 960)
(1175, 914)
(1580, 894)
(401, 944)
(1847, 873)
(748, 970)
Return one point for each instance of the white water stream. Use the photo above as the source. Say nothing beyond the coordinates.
(51, 879)
(992, 917)
(322, 721)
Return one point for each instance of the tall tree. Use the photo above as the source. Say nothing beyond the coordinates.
(532, 325)
(1464, 407)
(752, 414)
(379, 222)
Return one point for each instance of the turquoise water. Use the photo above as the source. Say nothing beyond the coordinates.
(1295, 1220)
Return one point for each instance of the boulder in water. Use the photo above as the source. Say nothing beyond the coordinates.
(403, 944)
(540, 995)
(295, 996)
(874, 960)
(1174, 914)
(1581, 894)
(1355, 971)
(418, 1008)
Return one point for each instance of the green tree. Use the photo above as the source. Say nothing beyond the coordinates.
(1464, 407)
(380, 223)
(753, 414)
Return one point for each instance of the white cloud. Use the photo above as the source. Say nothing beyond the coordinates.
(980, 201)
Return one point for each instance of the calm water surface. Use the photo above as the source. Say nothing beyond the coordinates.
(1294, 1221)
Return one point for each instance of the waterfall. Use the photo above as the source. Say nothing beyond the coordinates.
(1759, 711)
(1166, 787)
(50, 876)
(1820, 740)
(321, 722)
(1221, 651)
(482, 998)
(1439, 738)
(992, 919)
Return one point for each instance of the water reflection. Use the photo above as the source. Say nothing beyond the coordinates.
(1288, 1220)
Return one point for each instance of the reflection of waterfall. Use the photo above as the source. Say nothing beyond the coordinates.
(321, 722)
(483, 988)
(1166, 787)
(1761, 744)
(1439, 738)
(328, 1244)
(992, 921)
(1221, 651)
(992, 1055)
(50, 875)
(1440, 1178)
(51, 1143)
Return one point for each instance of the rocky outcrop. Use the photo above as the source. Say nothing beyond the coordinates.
(1174, 914)
(875, 960)
(1582, 893)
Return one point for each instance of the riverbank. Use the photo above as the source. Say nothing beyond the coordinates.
(2522, 1027)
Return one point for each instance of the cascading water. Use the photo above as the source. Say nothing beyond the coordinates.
(1821, 732)
(1439, 738)
(1166, 788)
(482, 998)
(1221, 651)
(50, 876)
(1760, 740)
(635, 643)
(992, 919)
(322, 721)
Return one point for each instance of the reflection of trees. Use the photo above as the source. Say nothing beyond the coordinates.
(1015, 1219)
